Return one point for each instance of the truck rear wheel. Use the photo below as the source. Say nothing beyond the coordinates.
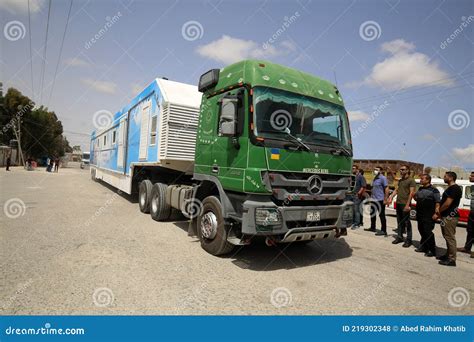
(159, 209)
(144, 193)
(211, 228)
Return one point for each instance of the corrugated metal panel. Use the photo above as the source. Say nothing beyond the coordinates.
(144, 130)
(178, 132)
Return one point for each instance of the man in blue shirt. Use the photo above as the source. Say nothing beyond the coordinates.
(378, 200)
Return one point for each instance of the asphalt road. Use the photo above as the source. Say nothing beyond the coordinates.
(72, 246)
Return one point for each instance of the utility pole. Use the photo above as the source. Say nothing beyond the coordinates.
(18, 138)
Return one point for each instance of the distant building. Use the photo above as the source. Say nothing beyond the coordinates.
(6, 151)
(390, 167)
(439, 171)
(76, 153)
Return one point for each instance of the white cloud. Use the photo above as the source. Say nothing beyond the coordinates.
(357, 115)
(397, 45)
(465, 154)
(289, 45)
(229, 50)
(21, 6)
(76, 62)
(101, 86)
(404, 68)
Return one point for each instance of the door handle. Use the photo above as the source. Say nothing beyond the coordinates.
(215, 168)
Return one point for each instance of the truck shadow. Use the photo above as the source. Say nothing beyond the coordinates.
(259, 257)
(133, 198)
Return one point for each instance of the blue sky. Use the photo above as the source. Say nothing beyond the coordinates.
(408, 90)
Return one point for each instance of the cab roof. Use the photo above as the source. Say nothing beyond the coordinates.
(267, 74)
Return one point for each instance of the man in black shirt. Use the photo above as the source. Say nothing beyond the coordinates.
(427, 210)
(450, 217)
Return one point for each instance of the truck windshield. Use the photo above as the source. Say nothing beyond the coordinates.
(310, 120)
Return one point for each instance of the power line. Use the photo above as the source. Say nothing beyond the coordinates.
(31, 54)
(367, 106)
(44, 54)
(405, 90)
(60, 52)
(415, 88)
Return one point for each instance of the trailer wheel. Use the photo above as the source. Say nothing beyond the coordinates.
(211, 228)
(144, 194)
(159, 209)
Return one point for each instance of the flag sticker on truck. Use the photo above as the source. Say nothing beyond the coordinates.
(275, 154)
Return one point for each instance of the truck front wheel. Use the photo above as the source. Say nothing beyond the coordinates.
(211, 228)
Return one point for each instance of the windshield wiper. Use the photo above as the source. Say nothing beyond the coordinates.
(338, 148)
(295, 139)
(287, 131)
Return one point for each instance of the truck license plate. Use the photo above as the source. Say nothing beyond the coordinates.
(313, 216)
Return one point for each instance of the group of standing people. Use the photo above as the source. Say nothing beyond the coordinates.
(52, 165)
(431, 207)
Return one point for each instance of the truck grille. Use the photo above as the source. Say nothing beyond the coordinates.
(294, 187)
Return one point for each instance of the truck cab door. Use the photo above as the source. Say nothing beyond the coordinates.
(230, 146)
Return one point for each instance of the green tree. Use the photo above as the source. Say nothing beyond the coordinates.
(41, 131)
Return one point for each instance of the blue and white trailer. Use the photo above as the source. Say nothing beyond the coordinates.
(152, 137)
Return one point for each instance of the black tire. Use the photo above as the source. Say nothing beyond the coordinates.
(159, 209)
(218, 244)
(144, 195)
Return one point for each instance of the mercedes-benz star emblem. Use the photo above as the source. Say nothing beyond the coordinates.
(315, 185)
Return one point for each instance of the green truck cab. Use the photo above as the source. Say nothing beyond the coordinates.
(273, 157)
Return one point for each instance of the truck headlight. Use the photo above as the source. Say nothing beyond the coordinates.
(347, 213)
(267, 216)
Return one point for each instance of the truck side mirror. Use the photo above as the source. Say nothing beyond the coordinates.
(228, 117)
